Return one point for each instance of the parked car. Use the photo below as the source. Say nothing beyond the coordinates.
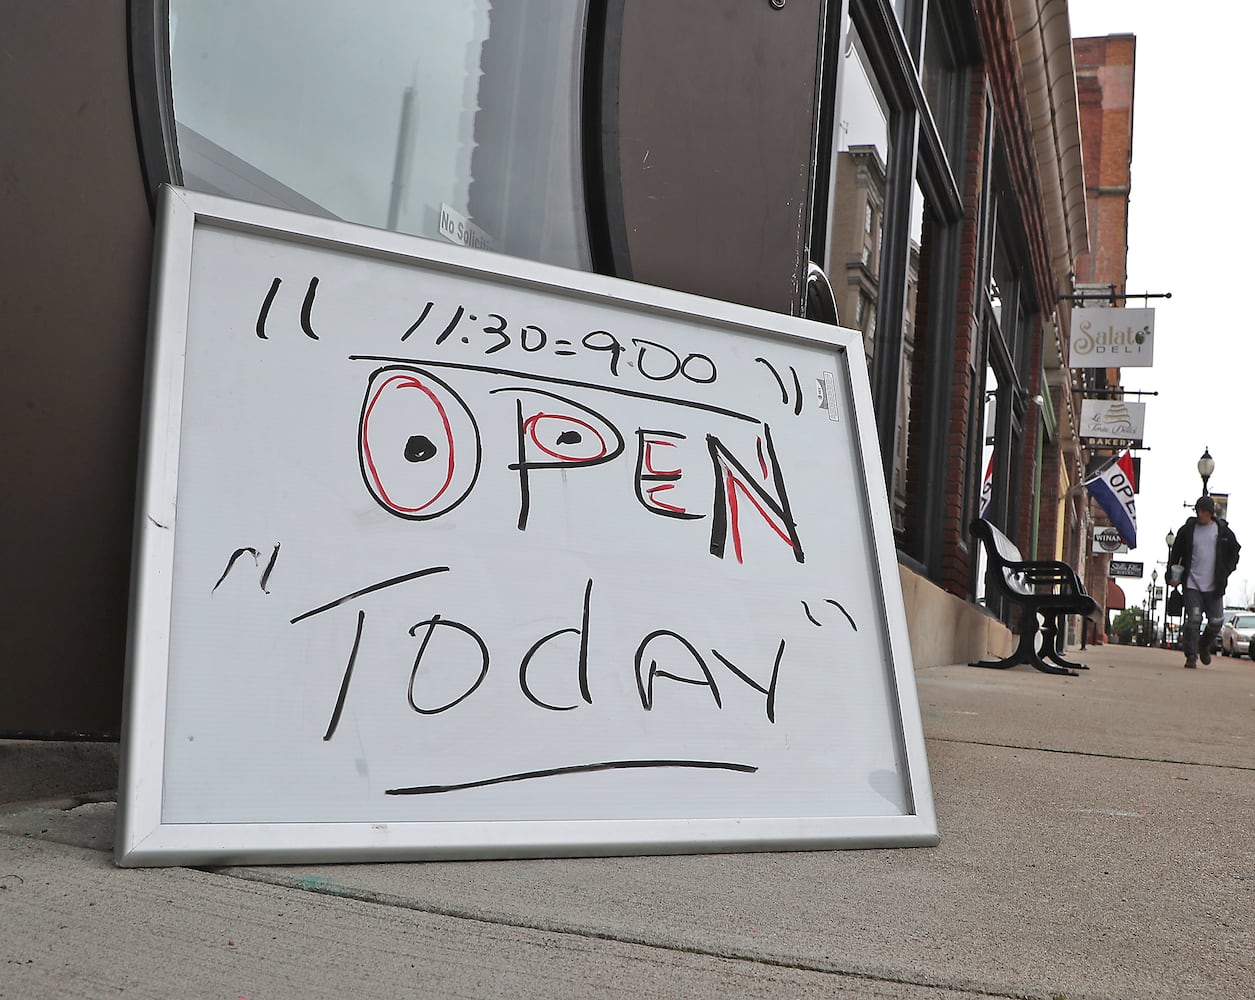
(1235, 634)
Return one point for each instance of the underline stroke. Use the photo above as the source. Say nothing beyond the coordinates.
(487, 370)
(610, 765)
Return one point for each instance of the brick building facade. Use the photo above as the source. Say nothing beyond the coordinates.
(1105, 72)
(926, 157)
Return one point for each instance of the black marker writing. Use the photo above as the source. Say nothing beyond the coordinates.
(418, 322)
(307, 308)
(457, 318)
(419, 447)
(370, 590)
(465, 653)
(582, 632)
(497, 330)
(784, 395)
(770, 689)
(732, 481)
(817, 622)
(348, 676)
(645, 684)
(265, 308)
(848, 616)
(431, 625)
(265, 577)
(568, 436)
(657, 496)
(231, 563)
(610, 765)
(554, 380)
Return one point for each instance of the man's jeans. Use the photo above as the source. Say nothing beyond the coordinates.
(1196, 603)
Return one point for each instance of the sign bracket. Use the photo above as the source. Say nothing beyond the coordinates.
(1112, 296)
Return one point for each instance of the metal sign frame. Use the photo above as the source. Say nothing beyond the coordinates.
(173, 812)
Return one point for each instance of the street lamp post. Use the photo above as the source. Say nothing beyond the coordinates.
(1169, 539)
(1206, 466)
(1154, 599)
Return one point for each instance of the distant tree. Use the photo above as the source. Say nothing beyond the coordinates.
(1127, 624)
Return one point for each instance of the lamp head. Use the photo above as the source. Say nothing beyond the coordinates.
(1206, 466)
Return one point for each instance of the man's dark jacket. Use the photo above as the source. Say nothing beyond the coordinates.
(1227, 549)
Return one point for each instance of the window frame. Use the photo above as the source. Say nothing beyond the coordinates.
(152, 104)
(926, 153)
(1006, 337)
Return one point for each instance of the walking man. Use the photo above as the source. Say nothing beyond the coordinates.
(1203, 555)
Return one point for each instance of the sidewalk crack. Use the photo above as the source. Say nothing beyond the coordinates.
(1092, 753)
(323, 886)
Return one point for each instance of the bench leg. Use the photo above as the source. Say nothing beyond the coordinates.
(1050, 668)
(1026, 651)
(1023, 653)
(1050, 631)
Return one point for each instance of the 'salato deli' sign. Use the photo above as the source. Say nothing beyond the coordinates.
(1112, 338)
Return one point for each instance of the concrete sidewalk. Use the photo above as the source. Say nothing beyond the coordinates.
(1097, 841)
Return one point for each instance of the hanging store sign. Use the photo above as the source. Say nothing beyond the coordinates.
(1112, 338)
(1122, 568)
(1115, 423)
(1108, 540)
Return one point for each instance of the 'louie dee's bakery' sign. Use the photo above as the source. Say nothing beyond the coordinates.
(1112, 338)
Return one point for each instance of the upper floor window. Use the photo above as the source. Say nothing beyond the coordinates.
(857, 178)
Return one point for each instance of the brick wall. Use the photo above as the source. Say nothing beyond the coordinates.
(999, 79)
(956, 560)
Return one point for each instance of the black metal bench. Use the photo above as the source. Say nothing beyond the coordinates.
(1046, 590)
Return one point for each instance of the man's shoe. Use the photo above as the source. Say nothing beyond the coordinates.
(1191, 662)
(1205, 657)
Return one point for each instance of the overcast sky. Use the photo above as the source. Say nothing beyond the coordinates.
(1189, 223)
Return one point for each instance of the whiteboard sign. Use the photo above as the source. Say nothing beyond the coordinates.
(442, 554)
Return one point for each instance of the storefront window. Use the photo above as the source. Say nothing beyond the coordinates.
(1007, 343)
(452, 121)
(1002, 294)
(1011, 311)
(902, 11)
(905, 382)
(856, 200)
(940, 76)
